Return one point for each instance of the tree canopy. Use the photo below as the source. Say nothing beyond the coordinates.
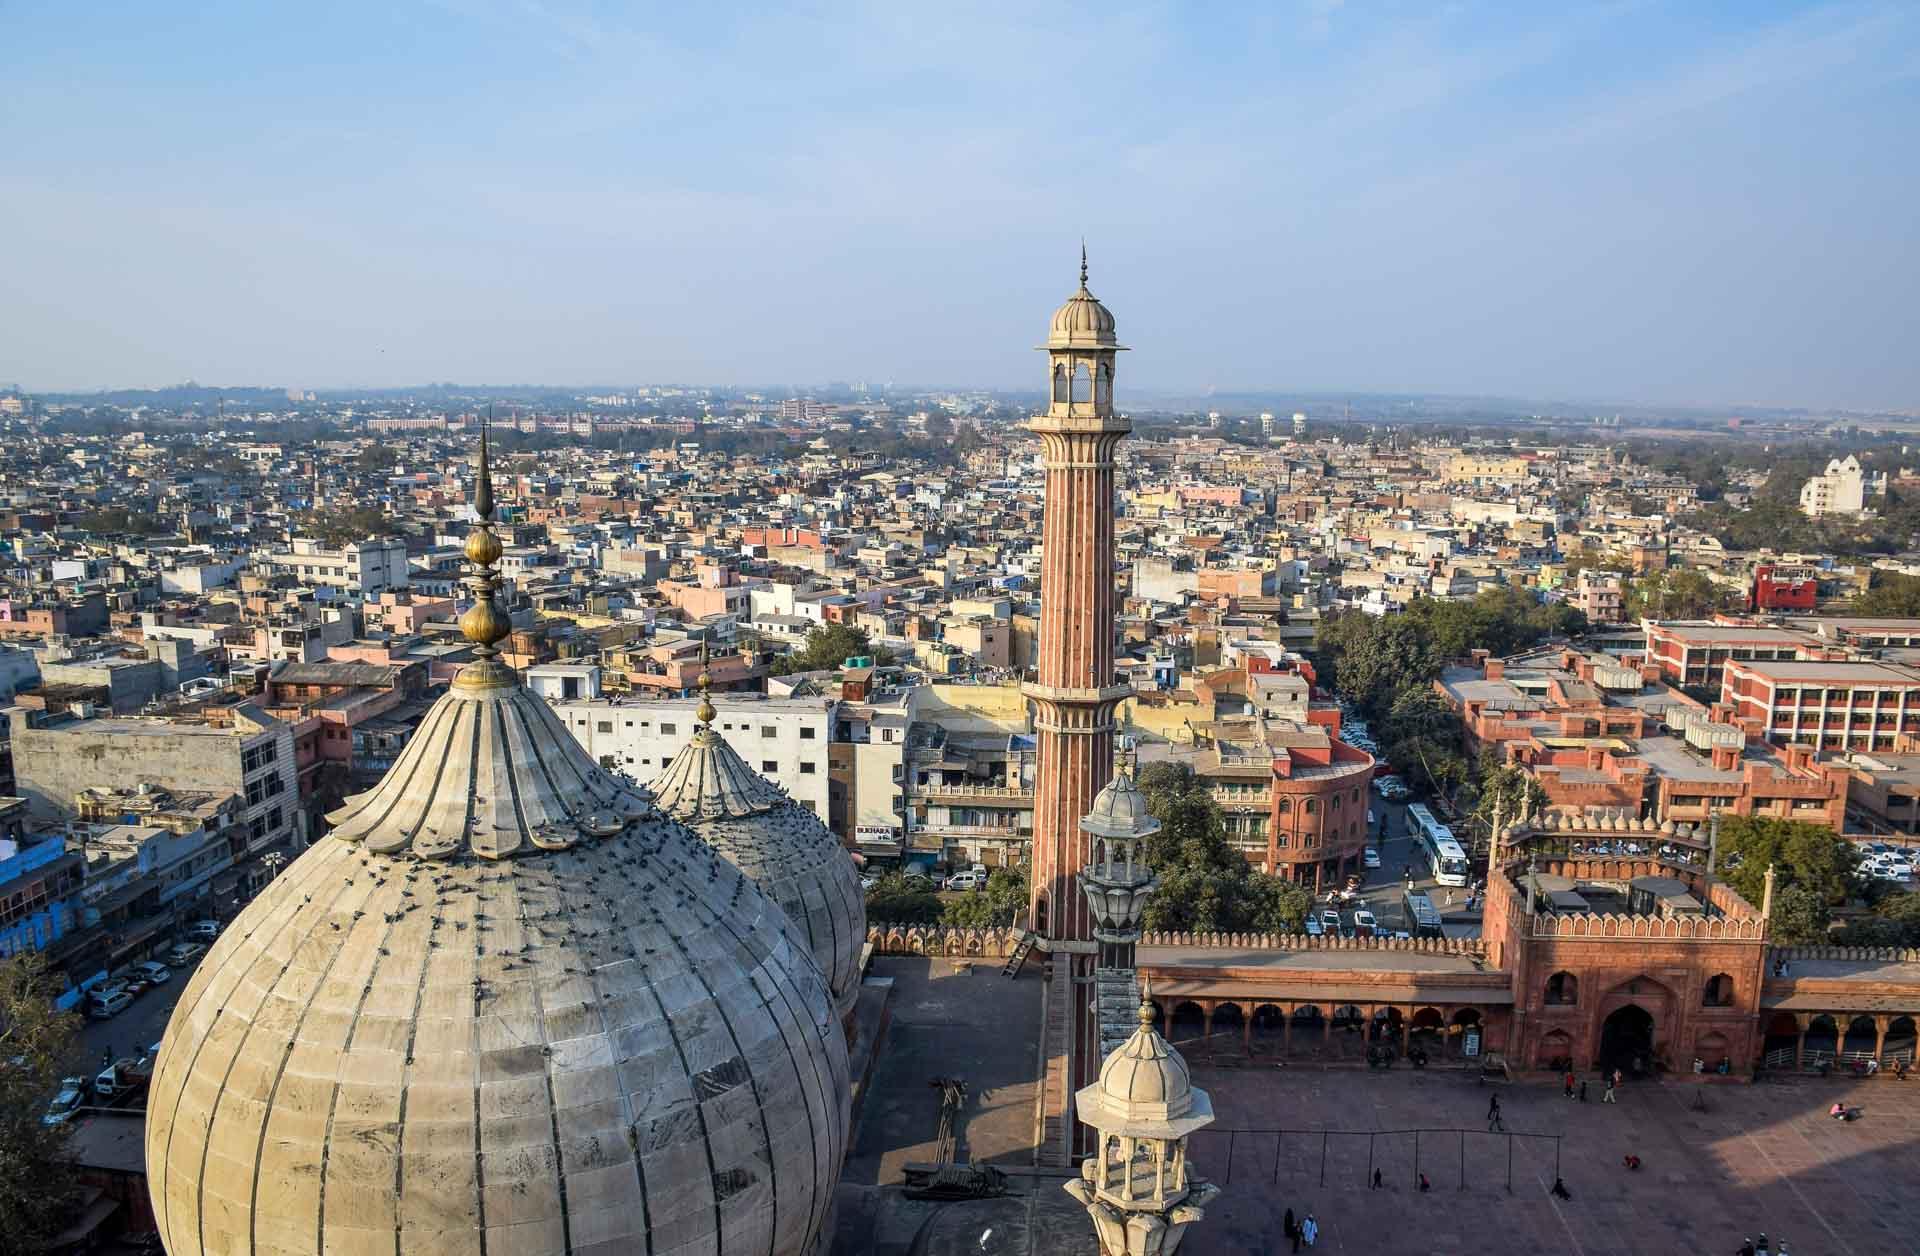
(35, 1044)
(1205, 884)
(829, 646)
(1806, 858)
(899, 899)
(1002, 902)
(1893, 595)
(1678, 593)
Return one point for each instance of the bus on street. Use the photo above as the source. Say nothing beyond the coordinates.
(1422, 920)
(1444, 855)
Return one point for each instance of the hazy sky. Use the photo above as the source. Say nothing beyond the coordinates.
(1665, 202)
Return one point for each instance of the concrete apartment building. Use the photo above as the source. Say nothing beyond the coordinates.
(1600, 596)
(237, 750)
(783, 739)
(356, 572)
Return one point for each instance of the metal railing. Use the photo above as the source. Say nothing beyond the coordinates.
(1331, 1153)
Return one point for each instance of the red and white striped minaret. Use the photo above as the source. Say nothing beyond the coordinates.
(1075, 696)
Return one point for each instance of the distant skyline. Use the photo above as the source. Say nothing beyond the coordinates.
(1664, 203)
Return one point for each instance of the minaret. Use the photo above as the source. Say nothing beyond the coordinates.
(1074, 698)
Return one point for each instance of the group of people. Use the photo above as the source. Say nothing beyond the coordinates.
(1576, 1088)
(1749, 1248)
(1305, 1230)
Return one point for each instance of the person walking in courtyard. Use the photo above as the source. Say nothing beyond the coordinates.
(1310, 1230)
(1618, 1077)
(1568, 1083)
(1559, 1190)
(1583, 1090)
(1291, 1228)
(1607, 1096)
(1376, 1179)
(1493, 1108)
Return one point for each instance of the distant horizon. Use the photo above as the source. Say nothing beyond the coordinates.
(1125, 398)
(1675, 203)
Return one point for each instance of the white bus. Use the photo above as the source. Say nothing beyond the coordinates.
(1444, 856)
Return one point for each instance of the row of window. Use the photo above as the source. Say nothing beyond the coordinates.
(807, 731)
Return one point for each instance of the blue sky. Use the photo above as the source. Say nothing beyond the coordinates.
(1638, 201)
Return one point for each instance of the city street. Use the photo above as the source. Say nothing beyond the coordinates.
(1383, 888)
(134, 1030)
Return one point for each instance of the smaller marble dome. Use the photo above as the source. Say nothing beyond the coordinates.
(1120, 811)
(1144, 1089)
(779, 845)
(1082, 322)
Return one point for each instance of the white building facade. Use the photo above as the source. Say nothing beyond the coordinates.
(783, 739)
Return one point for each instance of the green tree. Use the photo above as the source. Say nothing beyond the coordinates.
(117, 519)
(1895, 922)
(1800, 916)
(1001, 902)
(1804, 856)
(1893, 595)
(36, 1189)
(902, 900)
(376, 457)
(828, 647)
(1675, 594)
(1205, 884)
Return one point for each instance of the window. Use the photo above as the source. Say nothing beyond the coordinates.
(1563, 990)
(768, 765)
(807, 769)
(766, 730)
(806, 732)
(603, 726)
(1312, 807)
(668, 730)
(1718, 991)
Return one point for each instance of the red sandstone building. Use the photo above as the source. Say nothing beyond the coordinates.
(1640, 964)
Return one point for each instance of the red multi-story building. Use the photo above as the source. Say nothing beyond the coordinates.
(1857, 705)
(1777, 589)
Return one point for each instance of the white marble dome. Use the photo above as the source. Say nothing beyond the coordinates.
(514, 1011)
(1082, 322)
(781, 846)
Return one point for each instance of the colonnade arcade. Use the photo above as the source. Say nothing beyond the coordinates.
(1322, 1029)
(1811, 1040)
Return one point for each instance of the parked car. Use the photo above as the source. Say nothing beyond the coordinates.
(73, 1093)
(967, 881)
(1370, 857)
(154, 972)
(1313, 929)
(1330, 920)
(1364, 924)
(107, 1005)
(180, 954)
(868, 882)
(201, 930)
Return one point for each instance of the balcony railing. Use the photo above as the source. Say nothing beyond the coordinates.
(1017, 792)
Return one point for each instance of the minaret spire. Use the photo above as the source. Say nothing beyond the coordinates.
(484, 624)
(1083, 263)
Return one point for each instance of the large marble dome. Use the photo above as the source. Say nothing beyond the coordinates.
(506, 1007)
(784, 848)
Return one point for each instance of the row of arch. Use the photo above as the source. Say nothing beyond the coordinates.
(1839, 1038)
(1280, 1027)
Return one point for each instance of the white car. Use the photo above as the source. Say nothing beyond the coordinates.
(73, 1093)
(967, 881)
(1370, 857)
(1364, 924)
(1313, 929)
(153, 972)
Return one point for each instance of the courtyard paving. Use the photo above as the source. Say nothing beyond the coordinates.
(1759, 1158)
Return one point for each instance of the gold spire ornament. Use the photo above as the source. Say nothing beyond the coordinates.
(484, 624)
(704, 713)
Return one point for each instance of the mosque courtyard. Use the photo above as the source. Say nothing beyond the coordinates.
(1718, 1162)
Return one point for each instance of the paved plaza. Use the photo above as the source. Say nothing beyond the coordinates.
(1760, 1157)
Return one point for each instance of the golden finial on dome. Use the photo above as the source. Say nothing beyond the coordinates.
(705, 712)
(484, 624)
(1147, 1016)
(1083, 263)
